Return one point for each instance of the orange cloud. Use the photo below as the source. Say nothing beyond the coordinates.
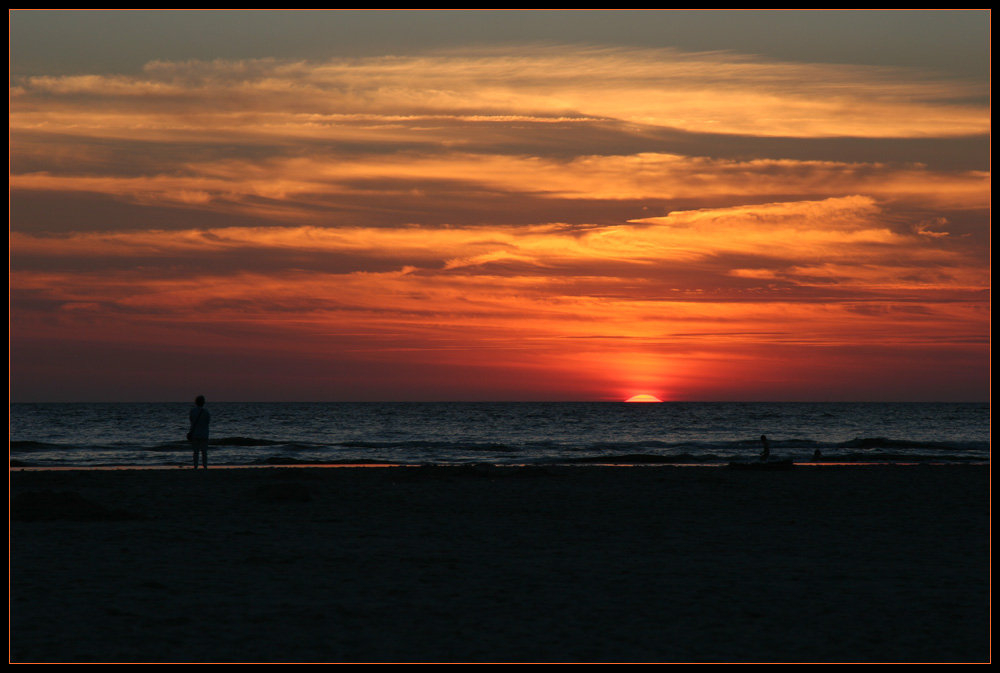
(699, 92)
(659, 280)
(306, 190)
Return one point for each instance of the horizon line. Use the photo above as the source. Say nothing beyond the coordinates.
(501, 401)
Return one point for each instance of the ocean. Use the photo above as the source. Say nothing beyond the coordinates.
(499, 433)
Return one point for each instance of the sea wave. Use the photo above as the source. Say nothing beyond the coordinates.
(502, 433)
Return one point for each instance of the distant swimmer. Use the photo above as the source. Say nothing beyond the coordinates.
(766, 453)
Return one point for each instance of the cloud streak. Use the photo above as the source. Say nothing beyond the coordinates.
(707, 92)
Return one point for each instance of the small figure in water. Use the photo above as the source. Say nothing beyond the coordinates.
(766, 453)
(817, 456)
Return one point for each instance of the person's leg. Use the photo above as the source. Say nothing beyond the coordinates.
(200, 447)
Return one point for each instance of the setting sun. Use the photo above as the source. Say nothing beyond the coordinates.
(643, 398)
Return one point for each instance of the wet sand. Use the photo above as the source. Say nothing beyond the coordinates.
(489, 564)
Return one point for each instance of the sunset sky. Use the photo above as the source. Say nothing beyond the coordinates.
(519, 205)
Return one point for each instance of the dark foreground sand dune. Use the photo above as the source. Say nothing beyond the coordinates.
(553, 564)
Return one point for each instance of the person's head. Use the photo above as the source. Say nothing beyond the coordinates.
(763, 438)
(200, 400)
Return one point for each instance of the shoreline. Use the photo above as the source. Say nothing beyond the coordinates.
(588, 463)
(466, 563)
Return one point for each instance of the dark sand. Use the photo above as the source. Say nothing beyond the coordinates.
(479, 564)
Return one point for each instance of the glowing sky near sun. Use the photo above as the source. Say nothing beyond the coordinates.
(497, 219)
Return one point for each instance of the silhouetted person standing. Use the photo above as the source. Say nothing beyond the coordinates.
(766, 452)
(199, 431)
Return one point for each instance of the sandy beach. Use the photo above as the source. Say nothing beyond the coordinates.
(501, 564)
